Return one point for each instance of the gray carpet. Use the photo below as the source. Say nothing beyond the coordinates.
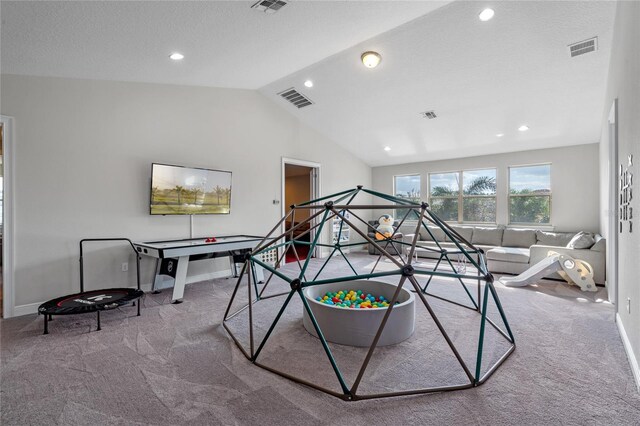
(176, 365)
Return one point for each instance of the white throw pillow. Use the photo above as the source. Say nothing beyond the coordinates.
(582, 240)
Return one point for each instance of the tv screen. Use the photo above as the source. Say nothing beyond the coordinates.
(187, 190)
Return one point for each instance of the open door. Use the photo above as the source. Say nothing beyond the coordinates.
(300, 183)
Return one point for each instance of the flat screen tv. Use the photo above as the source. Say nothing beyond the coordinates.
(189, 190)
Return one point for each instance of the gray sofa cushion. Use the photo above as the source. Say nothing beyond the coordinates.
(465, 232)
(437, 232)
(509, 254)
(582, 240)
(519, 238)
(557, 239)
(488, 236)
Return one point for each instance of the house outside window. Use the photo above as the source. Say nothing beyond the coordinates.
(530, 194)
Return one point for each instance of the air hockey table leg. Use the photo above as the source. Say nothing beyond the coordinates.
(154, 290)
(180, 280)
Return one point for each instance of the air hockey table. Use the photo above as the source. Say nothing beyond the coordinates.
(173, 257)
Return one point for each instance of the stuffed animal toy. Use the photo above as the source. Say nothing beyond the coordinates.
(385, 227)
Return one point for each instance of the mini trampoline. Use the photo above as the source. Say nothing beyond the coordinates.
(94, 300)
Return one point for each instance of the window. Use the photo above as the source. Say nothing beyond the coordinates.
(479, 196)
(407, 187)
(464, 196)
(530, 194)
(444, 192)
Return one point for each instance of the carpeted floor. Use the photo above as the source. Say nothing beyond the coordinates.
(176, 365)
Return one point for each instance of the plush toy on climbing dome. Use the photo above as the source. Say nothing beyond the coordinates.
(385, 228)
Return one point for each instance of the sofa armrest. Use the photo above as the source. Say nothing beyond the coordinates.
(408, 238)
(600, 244)
(593, 257)
(542, 251)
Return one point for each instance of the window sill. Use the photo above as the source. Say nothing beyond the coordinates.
(531, 226)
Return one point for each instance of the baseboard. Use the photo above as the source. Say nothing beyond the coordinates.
(27, 309)
(32, 308)
(635, 368)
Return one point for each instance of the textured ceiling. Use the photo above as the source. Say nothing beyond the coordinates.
(225, 43)
(481, 78)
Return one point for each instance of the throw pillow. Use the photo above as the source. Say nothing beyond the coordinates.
(582, 240)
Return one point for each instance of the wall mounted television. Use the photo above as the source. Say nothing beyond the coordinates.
(178, 190)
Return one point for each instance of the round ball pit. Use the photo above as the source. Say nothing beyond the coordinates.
(358, 327)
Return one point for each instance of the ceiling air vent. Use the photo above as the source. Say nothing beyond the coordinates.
(296, 98)
(269, 6)
(428, 114)
(582, 47)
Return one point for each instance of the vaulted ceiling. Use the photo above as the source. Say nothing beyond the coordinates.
(480, 78)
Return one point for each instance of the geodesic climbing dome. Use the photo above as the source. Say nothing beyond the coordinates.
(461, 336)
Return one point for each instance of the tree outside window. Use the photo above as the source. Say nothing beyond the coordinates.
(464, 196)
(479, 196)
(444, 192)
(530, 194)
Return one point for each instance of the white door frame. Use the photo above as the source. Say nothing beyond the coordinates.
(317, 186)
(612, 237)
(8, 246)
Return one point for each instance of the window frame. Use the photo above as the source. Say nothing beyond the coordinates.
(395, 214)
(461, 197)
(509, 195)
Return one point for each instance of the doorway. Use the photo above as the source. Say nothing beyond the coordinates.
(300, 184)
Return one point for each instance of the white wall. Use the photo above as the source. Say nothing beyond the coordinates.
(83, 152)
(574, 181)
(624, 84)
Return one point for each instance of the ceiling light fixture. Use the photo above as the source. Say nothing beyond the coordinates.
(176, 56)
(523, 128)
(499, 135)
(370, 59)
(308, 83)
(486, 15)
(387, 148)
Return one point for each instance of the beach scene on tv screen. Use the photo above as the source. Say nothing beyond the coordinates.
(182, 190)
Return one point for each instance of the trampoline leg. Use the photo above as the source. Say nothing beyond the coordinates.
(98, 329)
(139, 303)
(46, 324)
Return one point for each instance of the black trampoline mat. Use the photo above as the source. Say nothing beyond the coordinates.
(90, 301)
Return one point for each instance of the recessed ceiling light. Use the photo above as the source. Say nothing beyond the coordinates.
(308, 83)
(387, 148)
(176, 56)
(370, 59)
(523, 128)
(499, 135)
(486, 15)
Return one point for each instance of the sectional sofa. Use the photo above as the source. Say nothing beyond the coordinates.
(514, 250)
